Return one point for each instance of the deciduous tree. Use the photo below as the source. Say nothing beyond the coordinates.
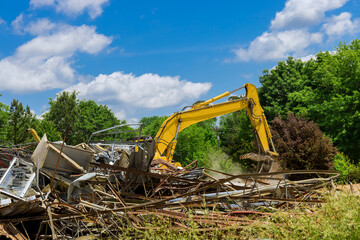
(4, 117)
(325, 89)
(194, 142)
(64, 112)
(236, 136)
(20, 119)
(151, 125)
(93, 117)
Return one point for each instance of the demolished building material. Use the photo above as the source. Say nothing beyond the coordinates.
(103, 198)
(72, 160)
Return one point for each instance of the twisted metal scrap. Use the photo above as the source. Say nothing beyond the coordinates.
(217, 203)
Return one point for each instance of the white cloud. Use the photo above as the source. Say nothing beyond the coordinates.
(18, 23)
(304, 13)
(247, 75)
(120, 115)
(313, 56)
(340, 25)
(277, 45)
(40, 26)
(73, 7)
(42, 3)
(307, 58)
(24, 24)
(45, 62)
(42, 114)
(290, 34)
(35, 74)
(65, 43)
(2, 21)
(131, 120)
(145, 91)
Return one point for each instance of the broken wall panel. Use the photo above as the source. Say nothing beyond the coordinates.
(72, 160)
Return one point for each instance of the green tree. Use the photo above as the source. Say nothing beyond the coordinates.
(64, 112)
(236, 136)
(93, 117)
(151, 125)
(44, 126)
(325, 89)
(335, 100)
(20, 119)
(147, 121)
(4, 117)
(194, 142)
(279, 85)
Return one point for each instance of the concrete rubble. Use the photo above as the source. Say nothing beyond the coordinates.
(56, 191)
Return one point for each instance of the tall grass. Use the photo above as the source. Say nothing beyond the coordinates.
(339, 218)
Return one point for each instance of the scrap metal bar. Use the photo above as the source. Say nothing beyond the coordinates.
(8, 170)
(28, 184)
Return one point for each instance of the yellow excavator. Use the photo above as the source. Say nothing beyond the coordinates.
(165, 139)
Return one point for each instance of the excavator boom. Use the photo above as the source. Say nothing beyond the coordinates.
(168, 132)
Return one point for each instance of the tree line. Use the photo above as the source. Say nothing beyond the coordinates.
(323, 91)
(67, 115)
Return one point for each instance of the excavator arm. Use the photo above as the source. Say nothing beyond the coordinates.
(168, 132)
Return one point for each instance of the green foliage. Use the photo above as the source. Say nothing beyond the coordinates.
(343, 164)
(81, 118)
(194, 142)
(277, 86)
(220, 161)
(43, 126)
(92, 117)
(301, 144)
(4, 117)
(151, 125)
(336, 96)
(64, 113)
(190, 146)
(236, 136)
(349, 171)
(327, 90)
(147, 121)
(20, 119)
(354, 175)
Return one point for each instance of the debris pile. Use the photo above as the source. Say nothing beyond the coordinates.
(57, 191)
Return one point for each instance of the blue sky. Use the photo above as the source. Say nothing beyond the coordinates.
(145, 58)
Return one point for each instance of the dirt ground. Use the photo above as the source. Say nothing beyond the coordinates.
(353, 188)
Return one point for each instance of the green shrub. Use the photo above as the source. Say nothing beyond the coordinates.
(348, 170)
(354, 175)
(219, 160)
